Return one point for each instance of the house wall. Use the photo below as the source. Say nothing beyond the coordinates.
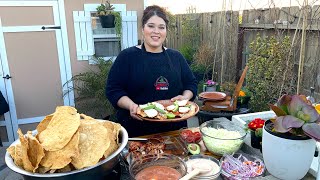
(70, 6)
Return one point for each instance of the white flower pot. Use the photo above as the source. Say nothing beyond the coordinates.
(209, 88)
(287, 158)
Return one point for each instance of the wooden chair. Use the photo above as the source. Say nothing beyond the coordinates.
(229, 103)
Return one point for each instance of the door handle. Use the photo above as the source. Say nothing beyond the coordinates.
(53, 27)
(7, 77)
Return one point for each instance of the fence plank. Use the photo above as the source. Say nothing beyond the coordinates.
(267, 22)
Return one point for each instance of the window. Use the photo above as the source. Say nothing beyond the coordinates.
(106, 42)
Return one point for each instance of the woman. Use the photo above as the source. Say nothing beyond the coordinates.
(148, 73)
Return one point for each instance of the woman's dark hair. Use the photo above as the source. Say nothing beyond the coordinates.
(154, 10)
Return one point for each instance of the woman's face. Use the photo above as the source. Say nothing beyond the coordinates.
(154, 33)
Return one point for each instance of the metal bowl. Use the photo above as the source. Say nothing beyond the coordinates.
(98, 171)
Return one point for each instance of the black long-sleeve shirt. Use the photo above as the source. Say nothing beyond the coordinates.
(4, 107)
(146, 77)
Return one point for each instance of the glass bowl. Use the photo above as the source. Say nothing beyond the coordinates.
(222, 137)
(251, 165)
(190, 135)
(167, 161)
(214, 174)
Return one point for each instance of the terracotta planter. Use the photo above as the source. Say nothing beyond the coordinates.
(286, 157)
(107, 21)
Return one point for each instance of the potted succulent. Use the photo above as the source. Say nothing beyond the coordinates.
(108, 17)
(289, 140)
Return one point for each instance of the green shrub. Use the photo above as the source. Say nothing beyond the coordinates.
(270, 71)
(89, 88)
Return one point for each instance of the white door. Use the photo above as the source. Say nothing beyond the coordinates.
(35, 63)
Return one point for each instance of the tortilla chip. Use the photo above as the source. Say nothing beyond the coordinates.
(94, 141)
(83, 116)
(114, 128)
(35, 151)
(43, 170)
(67, 109)
(191, 112)
(61, 158)
(64, 123)
(26, 164)
(52, 171)
(141, 113)
(112, 148)
(12, 150)
(44, 123)
(67, 168)
(18, 155)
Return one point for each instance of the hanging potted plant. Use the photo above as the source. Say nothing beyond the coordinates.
(108, 17)
(289, 140)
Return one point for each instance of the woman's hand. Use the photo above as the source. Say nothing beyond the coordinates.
(126, 103)
(179, 98)
(186, 95)
(133, 111)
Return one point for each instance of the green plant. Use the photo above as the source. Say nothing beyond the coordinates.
(228, 87)
(296, 116)
(108, 9)
(269, 59)
(188, 52)
(202, 61)
(105, 9)
(89, 88)
(256, 126)
(244, 95)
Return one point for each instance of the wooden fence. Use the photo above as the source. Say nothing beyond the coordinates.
(230, 38)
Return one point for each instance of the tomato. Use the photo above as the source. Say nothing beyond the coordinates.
(197, 137)
(189, 136)
(186, 133)
(190, 139)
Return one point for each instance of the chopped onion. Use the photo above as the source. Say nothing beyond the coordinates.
(242, 167)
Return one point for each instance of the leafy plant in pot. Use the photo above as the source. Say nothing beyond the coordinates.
(289, 140)
(108, 17)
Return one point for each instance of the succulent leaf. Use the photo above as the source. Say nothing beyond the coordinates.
(312, 112)
(278, 125)
(296, 104)
(284, 102)
(297, 116)
(291, 122)
(312, 130)
(278, 111)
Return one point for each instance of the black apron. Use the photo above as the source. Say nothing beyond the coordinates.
(162, 83)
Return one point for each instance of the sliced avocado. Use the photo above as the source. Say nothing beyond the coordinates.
(170, 115)
(194, 148)
(149, 106)
(160, 110)
(176, 108)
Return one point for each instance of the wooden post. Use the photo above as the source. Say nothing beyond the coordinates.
(303, 44)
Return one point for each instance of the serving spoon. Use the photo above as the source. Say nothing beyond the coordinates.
(199, 169)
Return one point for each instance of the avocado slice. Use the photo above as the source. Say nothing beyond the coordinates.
(176, 108)
(160, 110)
(148, 106)
(194, 148)
(170, 115)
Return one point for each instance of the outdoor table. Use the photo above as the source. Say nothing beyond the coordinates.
(204, 116)
(245, 149)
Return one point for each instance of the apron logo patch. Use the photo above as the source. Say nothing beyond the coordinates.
(161, 83)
